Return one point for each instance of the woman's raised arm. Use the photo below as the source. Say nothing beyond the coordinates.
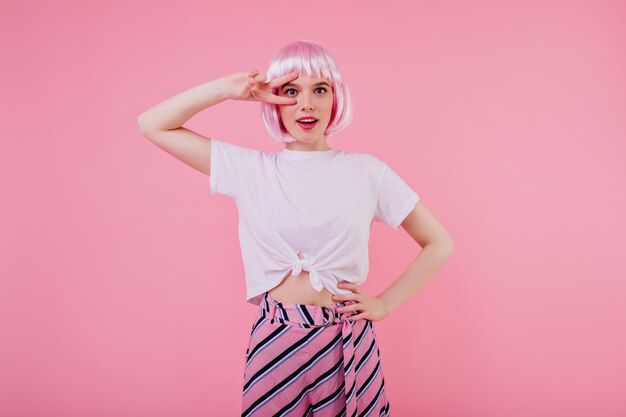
(162, 124)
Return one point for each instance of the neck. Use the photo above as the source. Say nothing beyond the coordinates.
(319, 145)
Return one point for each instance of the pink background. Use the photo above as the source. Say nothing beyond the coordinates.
(122, 288)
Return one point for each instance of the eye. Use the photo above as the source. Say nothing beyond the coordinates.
(287, 91)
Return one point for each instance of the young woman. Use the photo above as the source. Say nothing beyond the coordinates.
(305, 214)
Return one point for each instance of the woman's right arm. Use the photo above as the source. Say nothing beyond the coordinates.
(162, 124)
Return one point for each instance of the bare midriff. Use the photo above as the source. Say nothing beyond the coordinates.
(298, 289)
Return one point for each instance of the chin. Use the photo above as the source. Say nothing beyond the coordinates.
(307, 137)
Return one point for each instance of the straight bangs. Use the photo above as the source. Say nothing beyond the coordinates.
(312, 59)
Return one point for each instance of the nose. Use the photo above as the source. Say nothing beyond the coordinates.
(306, 102)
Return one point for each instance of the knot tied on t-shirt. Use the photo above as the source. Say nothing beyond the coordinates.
(305, 264)
(301, 265)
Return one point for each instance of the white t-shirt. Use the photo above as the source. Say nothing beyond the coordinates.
(319, 203)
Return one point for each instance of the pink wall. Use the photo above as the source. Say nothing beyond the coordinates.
(122, 289)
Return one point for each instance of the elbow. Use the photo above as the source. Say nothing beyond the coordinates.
(448, 245)
(144, 126)
(450, 248)
(141, 123)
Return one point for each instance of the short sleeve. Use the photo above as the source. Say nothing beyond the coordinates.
(394, 199)
(228, 166)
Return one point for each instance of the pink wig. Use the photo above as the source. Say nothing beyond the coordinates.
(313, 59)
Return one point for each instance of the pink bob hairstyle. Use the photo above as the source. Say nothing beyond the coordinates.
(315, 61)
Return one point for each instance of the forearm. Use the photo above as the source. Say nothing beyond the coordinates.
(430, 259)
(175, 111)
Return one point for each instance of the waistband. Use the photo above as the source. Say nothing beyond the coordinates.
(311, 316)
(304, 315)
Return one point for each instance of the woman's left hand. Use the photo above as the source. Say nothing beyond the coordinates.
(371, 308)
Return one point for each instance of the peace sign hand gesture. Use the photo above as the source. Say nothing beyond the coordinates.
(371, 308)
(251, 86)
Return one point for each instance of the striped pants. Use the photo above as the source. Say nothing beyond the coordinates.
(304, 360)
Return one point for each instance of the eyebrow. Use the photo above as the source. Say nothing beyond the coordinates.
(314, 85)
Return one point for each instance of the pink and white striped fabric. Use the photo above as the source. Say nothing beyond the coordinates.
(305, 360)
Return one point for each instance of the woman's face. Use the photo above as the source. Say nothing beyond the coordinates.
(314, 101)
